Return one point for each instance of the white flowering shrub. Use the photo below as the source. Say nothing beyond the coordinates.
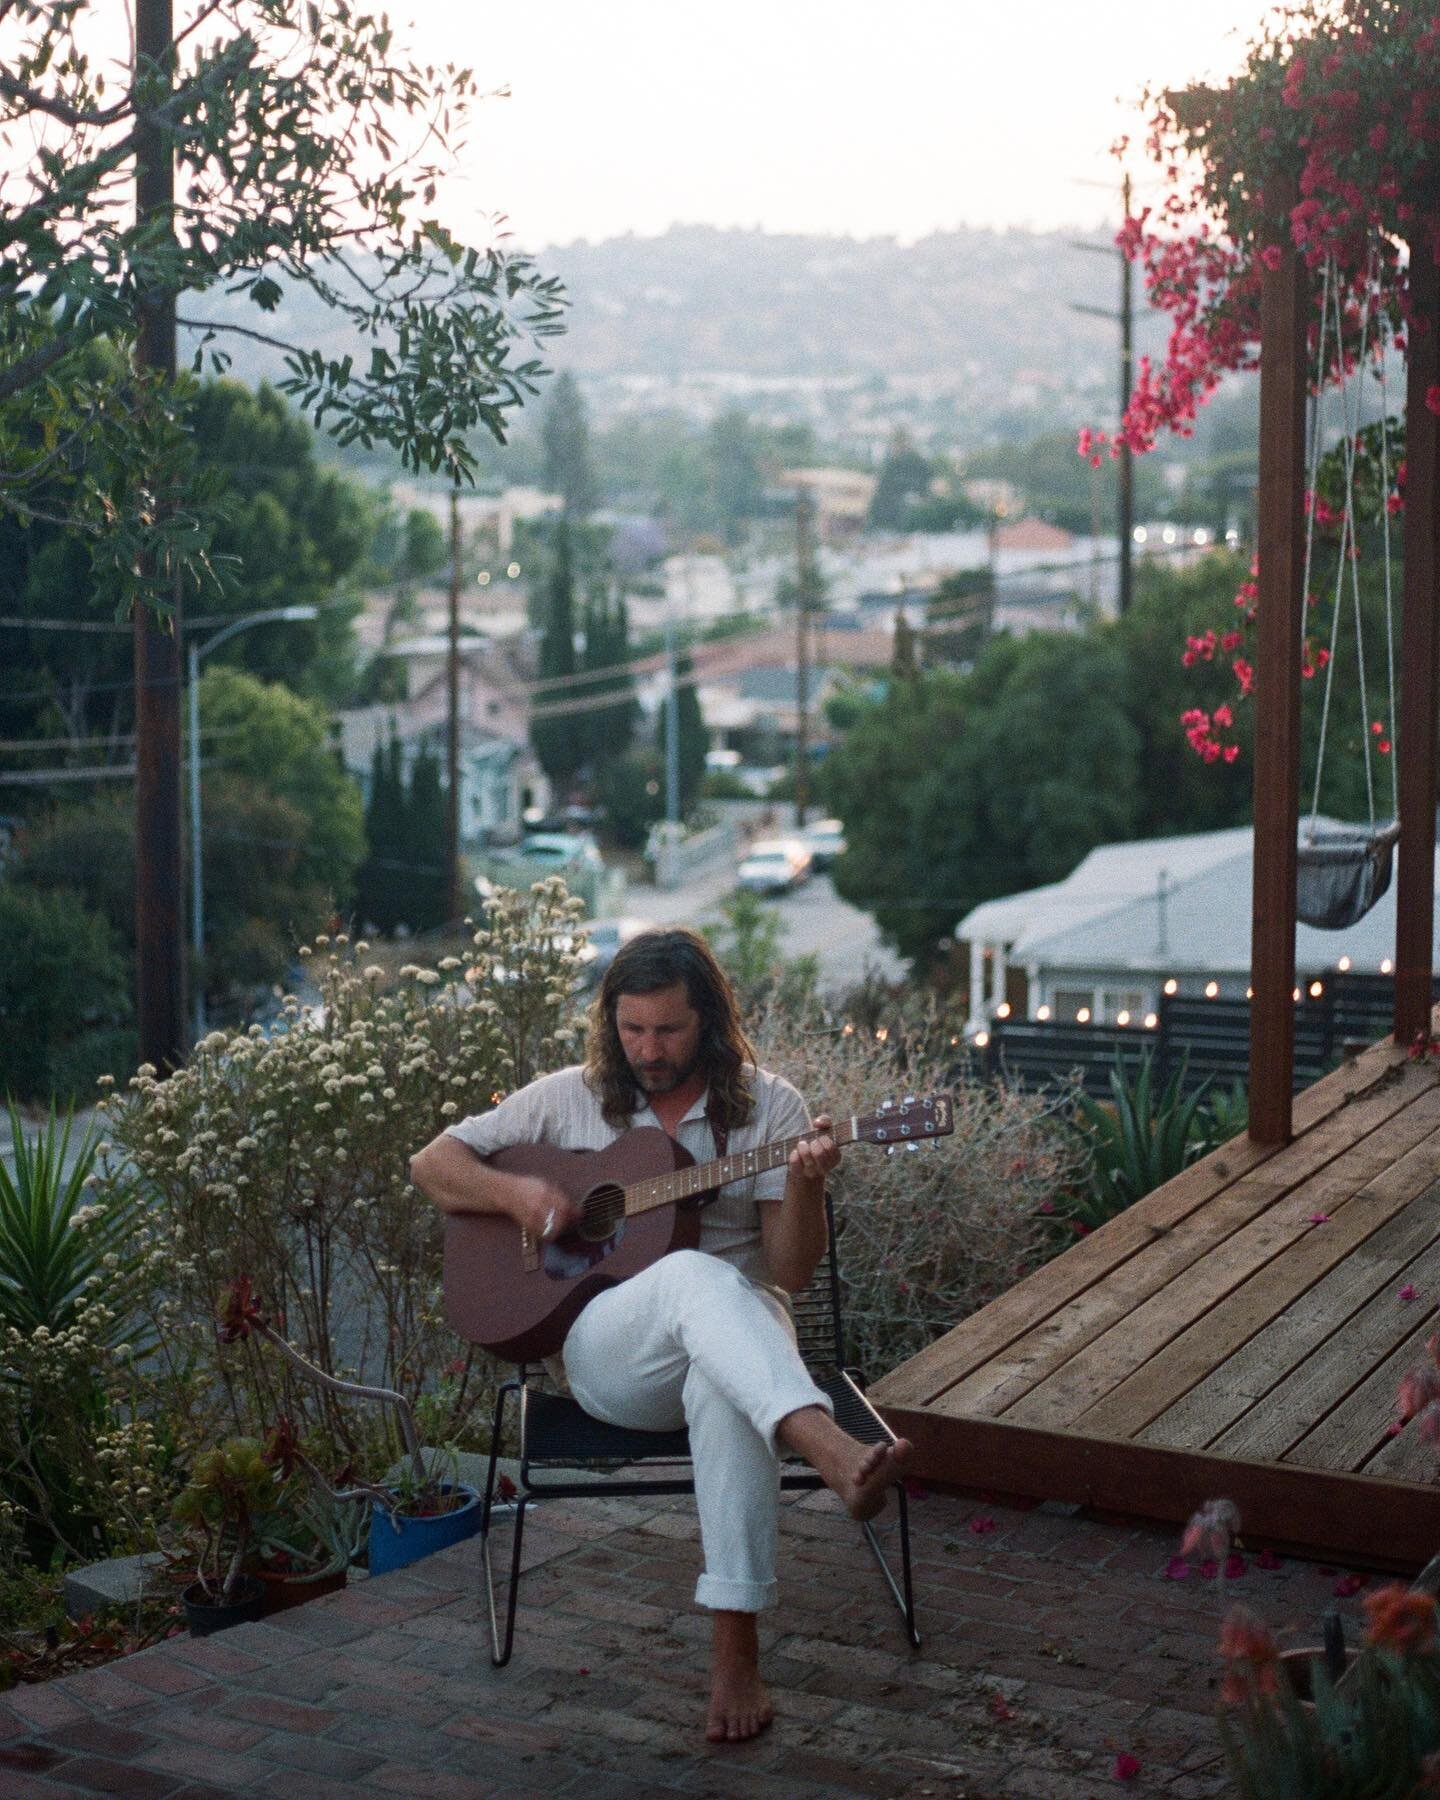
(926, 1238)
(285, 1158)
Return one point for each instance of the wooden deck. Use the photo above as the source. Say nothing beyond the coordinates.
(1237, 1333)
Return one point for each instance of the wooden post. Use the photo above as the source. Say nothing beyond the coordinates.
(1281, 543)
(1419, 639)
(159, 927)
(454, 888)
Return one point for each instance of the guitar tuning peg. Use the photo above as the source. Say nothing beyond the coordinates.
(912, 1146)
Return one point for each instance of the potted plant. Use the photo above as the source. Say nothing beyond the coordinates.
(413, 1514)
(231, 1488)
(306, 1546)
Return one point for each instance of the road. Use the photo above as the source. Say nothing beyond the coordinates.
(816, 921)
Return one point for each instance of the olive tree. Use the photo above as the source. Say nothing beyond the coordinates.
(307, 150)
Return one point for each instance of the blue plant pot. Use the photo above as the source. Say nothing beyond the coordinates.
(396, 1540)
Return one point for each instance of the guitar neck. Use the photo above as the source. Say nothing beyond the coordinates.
(701, 1178)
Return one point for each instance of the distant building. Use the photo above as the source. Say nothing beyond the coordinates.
(842, 497)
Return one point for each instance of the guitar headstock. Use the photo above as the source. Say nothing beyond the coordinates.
(907, 1121)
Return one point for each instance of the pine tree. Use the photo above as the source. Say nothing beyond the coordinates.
(904, 662)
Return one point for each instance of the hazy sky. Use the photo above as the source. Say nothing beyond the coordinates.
(852, 116)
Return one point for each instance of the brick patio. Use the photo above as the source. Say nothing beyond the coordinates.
(1052, 1644)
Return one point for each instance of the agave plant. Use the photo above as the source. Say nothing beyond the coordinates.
(54, 1245)
(1138, 1140)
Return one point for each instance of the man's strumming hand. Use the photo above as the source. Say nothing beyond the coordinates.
(545, 1210)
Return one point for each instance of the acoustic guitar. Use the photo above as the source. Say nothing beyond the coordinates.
(640, 1197)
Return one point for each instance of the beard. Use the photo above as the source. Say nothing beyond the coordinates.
(664, 1076)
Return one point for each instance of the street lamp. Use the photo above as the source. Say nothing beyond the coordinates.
(197, 908)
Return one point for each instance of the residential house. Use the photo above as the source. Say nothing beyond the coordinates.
(1135, 918)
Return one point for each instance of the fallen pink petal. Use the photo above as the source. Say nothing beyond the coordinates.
(1409, 1292)
(1209, 1569)
(1127, 1767)
(982, 1524)
(1235, 1566)
(1317, 1218)
(1347, 1585)
(1177, 1569)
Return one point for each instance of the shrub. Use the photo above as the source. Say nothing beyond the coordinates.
(1140, 1140)
(285, 1158)
(61, 977)
(79, 1449)
(925, 1239)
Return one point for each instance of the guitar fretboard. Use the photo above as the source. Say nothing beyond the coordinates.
(684, 1184)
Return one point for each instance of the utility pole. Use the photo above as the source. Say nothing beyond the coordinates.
(454, 898)
(1125, 471)
(804, 593)
(159, 933)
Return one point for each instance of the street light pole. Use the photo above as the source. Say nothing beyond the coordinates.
(197, 902)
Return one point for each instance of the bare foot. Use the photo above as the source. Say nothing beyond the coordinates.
(739, 1705)
(864, 1490)
(859, 1474)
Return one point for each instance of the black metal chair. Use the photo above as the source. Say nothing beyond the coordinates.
(556, 1433)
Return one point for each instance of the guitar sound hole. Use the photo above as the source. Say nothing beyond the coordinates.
(604, 1214)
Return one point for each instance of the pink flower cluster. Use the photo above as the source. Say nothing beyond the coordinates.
(1350, 96)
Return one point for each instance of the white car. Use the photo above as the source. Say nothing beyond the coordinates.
(826, 838)
(774, 866)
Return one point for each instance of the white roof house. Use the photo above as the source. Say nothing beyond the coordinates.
(1135, 916)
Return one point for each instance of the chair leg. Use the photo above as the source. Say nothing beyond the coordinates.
(903, 1591)
(497, 1426)
(500, 1649)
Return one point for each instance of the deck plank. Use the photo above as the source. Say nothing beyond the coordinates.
(1169, 1343)
(1325, 1382)
(1353, 1431)
(923, 1378)
(1295, 1174)
(1219, 1378)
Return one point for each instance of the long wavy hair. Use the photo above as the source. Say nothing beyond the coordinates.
(648, 962)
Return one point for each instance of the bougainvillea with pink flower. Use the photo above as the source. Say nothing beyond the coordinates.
(1337, 106)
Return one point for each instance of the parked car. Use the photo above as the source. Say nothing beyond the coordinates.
(605, 936)
(774, 866)
(555, 850)
(826, 838)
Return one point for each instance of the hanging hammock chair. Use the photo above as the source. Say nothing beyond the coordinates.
(1343, 869)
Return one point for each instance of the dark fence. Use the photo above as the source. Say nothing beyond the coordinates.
(1202, 1040)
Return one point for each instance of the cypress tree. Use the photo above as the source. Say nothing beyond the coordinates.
(559, 742)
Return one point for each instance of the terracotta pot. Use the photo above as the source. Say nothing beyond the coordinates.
(284, 1590)
(205, 1617)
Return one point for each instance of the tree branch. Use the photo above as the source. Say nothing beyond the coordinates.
(29, 369)
(34, 101)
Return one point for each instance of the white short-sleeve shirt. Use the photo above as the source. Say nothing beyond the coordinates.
(561, 1109)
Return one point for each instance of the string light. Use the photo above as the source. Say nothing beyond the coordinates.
(1172, 986)
(1212, 988)
(1249, 993)
(1002, 1011)
(1083, 1016)
(1343, 964)
(1122, 1018)
(1386, 966)
(1042, 1012)
(1317, 988)
(882, 1033)
(982, 1038)
(1295, 994)
(1151, 1021)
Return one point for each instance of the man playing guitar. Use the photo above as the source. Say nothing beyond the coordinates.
(701, 1338)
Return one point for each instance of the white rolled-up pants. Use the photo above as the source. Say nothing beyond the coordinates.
(690, 1341)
